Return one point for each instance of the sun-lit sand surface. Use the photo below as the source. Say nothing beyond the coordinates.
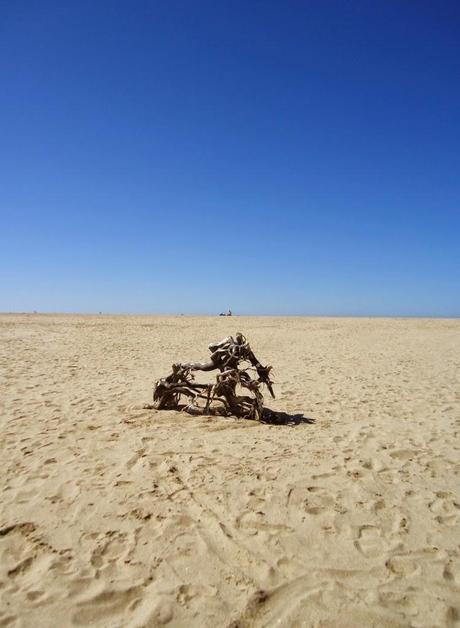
(113, 515)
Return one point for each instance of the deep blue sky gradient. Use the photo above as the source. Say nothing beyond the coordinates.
(274, 157)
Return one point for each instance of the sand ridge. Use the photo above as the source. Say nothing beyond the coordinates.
(113, 515)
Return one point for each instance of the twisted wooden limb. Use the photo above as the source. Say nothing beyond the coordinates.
(179, 391)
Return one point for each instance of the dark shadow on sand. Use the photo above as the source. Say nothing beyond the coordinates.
(284, 418)
(272, 417)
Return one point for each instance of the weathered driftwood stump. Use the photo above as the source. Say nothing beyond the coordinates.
(238, 369)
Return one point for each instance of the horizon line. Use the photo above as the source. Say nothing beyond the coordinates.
(207, 315)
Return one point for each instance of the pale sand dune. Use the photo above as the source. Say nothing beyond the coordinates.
(113, 515)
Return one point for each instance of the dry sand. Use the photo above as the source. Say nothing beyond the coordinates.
(113, 515)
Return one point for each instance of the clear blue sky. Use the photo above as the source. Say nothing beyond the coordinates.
(275, 157)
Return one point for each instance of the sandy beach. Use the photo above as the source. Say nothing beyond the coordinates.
(113, 515)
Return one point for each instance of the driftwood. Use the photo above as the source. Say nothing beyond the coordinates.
(238, 369)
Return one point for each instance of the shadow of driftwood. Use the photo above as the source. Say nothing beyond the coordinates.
(272, 417)
(284, 418)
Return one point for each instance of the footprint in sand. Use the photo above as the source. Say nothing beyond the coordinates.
(136, 458)
(107, 605)
(451, 571)
(111, 547)
(445, 508)
(318, 501)
(313, 500)
(370, 542)
(402, 566)
(403, 454)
